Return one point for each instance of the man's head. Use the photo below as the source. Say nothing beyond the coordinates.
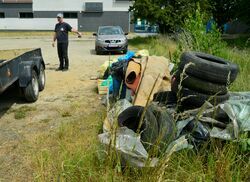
(60, 17)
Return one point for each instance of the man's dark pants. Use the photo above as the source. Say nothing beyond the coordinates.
(62, 49)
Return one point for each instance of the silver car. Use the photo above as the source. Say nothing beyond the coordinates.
(110, 39)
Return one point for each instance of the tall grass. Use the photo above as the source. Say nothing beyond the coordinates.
(242, 59)
(157, 45)
(74, 154)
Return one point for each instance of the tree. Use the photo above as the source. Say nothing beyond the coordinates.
(223, 10)
(168, 14)
(171, 14)
(243, 11)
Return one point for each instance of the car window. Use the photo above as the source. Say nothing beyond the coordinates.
(110, 31)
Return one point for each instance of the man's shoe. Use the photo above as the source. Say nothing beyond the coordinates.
(59, 69)
(65, 69)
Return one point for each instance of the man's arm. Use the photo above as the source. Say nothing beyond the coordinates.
(77, 32)
(54, 40)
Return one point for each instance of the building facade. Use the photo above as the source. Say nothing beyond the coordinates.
(86, 15)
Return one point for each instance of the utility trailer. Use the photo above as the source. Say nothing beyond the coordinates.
(24, 67)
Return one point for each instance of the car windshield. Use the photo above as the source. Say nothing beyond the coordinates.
(110, 31)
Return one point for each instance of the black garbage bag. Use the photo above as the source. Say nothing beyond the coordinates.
(197, 131)
(118, 70)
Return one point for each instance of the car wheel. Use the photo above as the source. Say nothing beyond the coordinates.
(42, 78)
(31, 92)
(99, 52)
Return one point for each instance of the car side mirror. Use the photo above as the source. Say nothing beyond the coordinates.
(126, 33)
(94, 34)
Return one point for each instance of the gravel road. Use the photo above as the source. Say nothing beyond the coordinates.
(66, 94)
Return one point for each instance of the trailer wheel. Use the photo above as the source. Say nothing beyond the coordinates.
(42, 78)
(31, 92)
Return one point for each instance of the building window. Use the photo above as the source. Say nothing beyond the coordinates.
(93, 7)
(26, 15)
(70, 15)
(2, 15)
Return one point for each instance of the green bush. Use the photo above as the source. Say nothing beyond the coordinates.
(193, 37)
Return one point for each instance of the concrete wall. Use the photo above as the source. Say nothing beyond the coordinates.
(78, 5)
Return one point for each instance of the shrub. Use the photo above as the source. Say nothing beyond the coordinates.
(193, 37)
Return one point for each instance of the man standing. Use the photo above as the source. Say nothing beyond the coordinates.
(61, 35)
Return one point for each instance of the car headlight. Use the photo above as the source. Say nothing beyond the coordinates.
(123, 40)
(100, 40)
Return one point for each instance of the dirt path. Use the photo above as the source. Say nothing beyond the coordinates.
(66, 94)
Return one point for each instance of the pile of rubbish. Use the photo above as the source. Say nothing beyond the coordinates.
(154, 112)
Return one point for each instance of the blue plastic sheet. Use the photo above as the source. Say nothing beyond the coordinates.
(127, 57)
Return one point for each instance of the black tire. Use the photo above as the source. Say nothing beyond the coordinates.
(194, 99)
(201, 86)
(97, 51)
(31, 92)
(208, 67)
(166, 126)
(149, 129)
(130, 117)
(166, 98)
(42, 78)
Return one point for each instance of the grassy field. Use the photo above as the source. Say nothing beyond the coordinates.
(74, 153)
(10, 54)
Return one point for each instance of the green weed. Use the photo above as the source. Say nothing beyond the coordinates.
(157, 45)
(66, 114)
(22, 112)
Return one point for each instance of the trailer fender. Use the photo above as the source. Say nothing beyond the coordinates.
(26, 73)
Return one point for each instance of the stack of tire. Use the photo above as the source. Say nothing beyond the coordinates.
(157, 129)
(203, 77)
